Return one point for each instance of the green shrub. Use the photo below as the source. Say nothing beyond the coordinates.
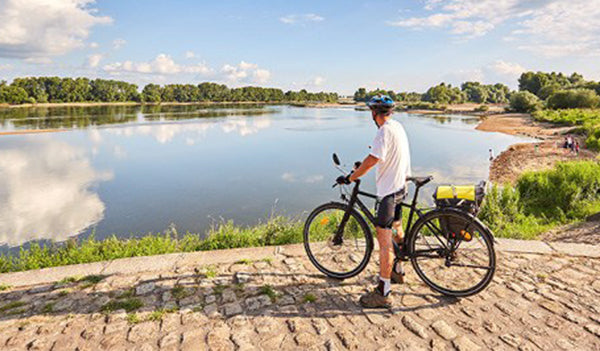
(573, 98)
(569, 117)
(502, 212)
(571, 190)
(482, 108)
(524, 101)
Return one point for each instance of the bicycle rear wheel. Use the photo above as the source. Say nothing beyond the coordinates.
(452, 252)
(340, 249)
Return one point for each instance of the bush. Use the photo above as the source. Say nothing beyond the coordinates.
(524, 101)
(543, 199)
(573, 98)
(482, 108)
(571, 190)
(569, 117)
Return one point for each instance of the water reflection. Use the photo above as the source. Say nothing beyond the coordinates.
(68, 117)
(46, 191)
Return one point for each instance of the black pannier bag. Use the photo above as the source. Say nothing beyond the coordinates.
(464, 197)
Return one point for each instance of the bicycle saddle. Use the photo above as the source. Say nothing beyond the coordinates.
(420, 181)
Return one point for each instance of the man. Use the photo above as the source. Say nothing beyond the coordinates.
(390, 152)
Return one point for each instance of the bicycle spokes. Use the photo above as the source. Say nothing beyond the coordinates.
(453, 253)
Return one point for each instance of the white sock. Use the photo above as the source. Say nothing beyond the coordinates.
(387, 286)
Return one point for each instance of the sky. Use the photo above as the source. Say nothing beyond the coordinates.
(333, 45)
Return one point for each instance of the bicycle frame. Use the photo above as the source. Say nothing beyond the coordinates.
(400, 253)
(355, 200)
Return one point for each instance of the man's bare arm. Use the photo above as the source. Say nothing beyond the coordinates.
(368, 163)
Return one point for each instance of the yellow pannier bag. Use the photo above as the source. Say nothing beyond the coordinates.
(466, 197)
(466, 192)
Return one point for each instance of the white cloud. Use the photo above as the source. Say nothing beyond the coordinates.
(38, 29)
(93, 60)
(316, 81)
(5, 67)
(301, 19)
(118, 43)
(190, 55)
(245, 72)
(261, 75)
(162, 64)
(507, 68)
(38, 60)
(550, 28)
(94, 45)
(46, 192)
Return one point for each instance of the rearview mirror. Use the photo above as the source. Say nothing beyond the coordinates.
(336, 160)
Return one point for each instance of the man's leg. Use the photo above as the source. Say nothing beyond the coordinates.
(380, 296)
(386, 252)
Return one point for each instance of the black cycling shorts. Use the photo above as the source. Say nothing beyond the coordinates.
(389, 210)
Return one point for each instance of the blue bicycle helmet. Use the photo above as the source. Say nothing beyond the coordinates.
(381, 103)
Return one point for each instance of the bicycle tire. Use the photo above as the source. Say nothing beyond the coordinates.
(363, 226)
(482, 230)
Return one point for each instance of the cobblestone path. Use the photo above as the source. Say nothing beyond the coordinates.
(536, 302)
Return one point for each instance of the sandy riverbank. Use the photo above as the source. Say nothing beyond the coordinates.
(518, 158)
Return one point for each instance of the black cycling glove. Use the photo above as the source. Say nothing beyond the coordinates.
(343, 180)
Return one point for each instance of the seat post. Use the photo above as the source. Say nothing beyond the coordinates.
(413, 206)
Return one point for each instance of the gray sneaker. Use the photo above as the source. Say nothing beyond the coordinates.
(375, 298)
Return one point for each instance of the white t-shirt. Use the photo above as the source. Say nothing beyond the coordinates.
(391, 148)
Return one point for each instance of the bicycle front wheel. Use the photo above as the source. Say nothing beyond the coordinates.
(452, 252)
(338, 242)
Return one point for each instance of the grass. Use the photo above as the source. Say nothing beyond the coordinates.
(157, 315)
(309, 298)
(4, 287)
(129, 305)
(211, 272)
(270, 292)
(129, 293)
(179, 292)
(218, 289)
(48, 308)
(12, 305)
(278, 230)
(133, 318)
(89, 280)
(244, 261)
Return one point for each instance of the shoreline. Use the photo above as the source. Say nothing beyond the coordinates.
(521, 157)
(173, 103)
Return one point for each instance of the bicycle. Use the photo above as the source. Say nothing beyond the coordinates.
(431, 243)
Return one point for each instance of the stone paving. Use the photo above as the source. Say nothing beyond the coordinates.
(539, 300)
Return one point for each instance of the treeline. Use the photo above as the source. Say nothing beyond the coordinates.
(61, 90)
(555, 91)
(537, 90)
(445, 94)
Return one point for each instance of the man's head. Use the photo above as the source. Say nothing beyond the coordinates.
(381, 107)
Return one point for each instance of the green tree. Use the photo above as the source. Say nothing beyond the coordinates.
(360, 95)
(573, 98)
(524, 101)
(151, 93)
